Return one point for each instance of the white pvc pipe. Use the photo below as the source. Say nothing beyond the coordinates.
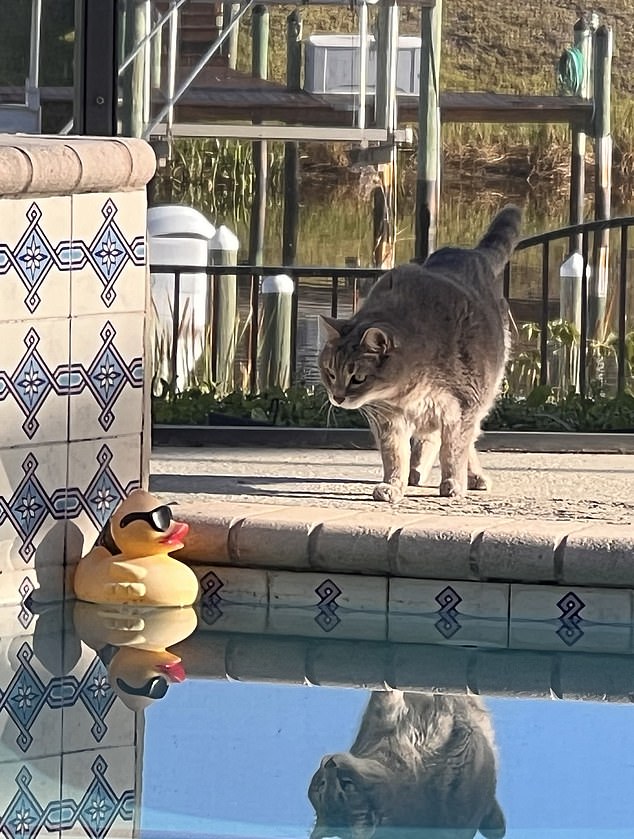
(277, 284)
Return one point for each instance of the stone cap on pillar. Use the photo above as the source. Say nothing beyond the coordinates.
(35, 164)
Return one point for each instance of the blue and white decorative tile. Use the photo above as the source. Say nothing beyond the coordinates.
(559, 618)
(110, 234)
(101, 473)
(106, 376)
(327, 605)
(96, 718)
(102, 788)
(448, 612)
(19, 589)
(33, 506)
(30, 793)
(16, 622)
(31, 702)
(34, 359)
(36, 258)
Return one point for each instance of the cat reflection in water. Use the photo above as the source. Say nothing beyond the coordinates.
(422, 765)
(423, 359)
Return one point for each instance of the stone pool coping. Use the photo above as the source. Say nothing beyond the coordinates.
(60, 165)
(420, 546)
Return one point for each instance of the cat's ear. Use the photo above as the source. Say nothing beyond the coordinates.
(377, 340)
(332, 326)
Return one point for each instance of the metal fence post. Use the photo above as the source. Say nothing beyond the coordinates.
(95, 101)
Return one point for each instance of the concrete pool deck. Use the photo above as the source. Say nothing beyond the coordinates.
(563, 519)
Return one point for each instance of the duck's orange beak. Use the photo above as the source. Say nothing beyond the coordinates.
(174, 670)
(176, 533)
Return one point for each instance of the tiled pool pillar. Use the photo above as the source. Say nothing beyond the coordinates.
(73, 418)
(73, 275)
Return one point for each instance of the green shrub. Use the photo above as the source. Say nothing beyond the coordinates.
(305, 407)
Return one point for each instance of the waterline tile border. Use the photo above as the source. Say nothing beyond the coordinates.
(446, 613)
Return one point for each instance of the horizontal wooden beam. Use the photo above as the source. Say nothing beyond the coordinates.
(508, 108)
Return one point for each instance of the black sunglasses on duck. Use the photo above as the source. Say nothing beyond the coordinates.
(159, 518)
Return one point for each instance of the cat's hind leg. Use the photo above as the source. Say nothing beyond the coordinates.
(424, 451)
(456, 432)
(476, 477)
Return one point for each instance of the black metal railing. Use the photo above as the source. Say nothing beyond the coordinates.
(334, 279)
(601, 262)
(536, 262)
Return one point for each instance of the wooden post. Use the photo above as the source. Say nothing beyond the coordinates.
(583, 42)
(384, 217)
(428, 152)
(603, 47)
(223, 250)
(156, 50)
(230, 48)
(275, 332)
(384, 211)
(291, 150)
(135, 100)
(259, 69)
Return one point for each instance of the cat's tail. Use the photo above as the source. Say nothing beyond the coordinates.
(500, 239)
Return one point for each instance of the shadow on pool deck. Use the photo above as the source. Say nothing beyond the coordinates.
(556, 487)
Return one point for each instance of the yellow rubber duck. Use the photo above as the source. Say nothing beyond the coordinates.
(138, 568)
(141, 668)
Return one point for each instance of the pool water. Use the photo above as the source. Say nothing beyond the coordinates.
(105, 732)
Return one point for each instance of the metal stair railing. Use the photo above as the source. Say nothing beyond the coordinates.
(173, 96)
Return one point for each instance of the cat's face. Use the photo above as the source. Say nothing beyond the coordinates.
(355, 366)
(344, 798)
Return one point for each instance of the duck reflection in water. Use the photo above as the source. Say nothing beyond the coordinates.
(422, 766)
(132, 641)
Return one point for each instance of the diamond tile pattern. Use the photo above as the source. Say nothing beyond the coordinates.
(95, 810)
(42, 678)
(51, 249)
(33, 256)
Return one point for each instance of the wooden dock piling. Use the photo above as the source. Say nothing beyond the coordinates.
(603, 48)
(259, 69)
(384, 195)
(428, 152)
(583, 42)
(290, 224)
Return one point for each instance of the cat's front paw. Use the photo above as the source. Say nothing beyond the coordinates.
(387, 492)
(450, 488)
(479, 482)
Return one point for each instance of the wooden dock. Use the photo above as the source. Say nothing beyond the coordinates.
(224, 95)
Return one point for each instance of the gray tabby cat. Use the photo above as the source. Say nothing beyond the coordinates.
(423, 358)
(422, 765)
